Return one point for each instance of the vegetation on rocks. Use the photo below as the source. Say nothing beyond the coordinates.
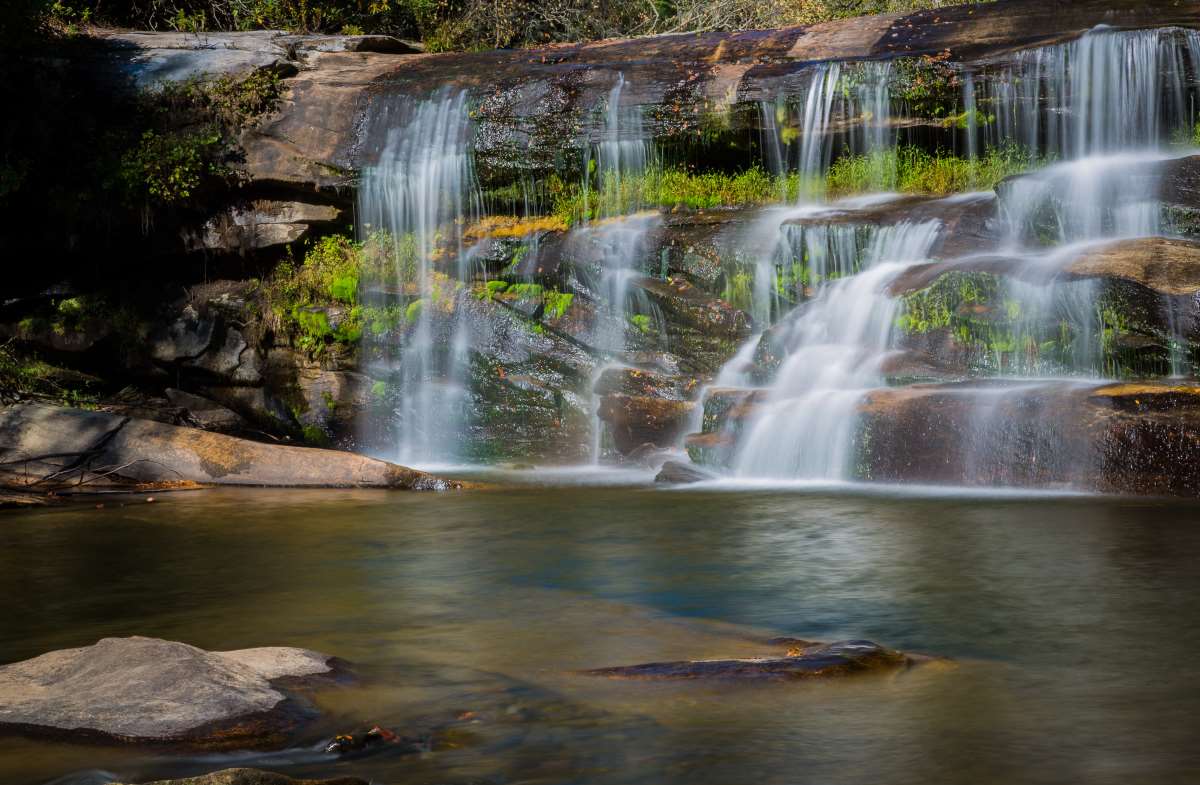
(455, 24)
(911, 169)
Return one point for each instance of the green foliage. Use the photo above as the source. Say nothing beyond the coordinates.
(739, 289)
(556, 303)
(671, 188)
(334, 270)
(492, 288)
(913, 170)
(413, 312)
(192, 136)
(169, 168)
(641, 323)
(314, 435)
(25, 377)
(929, 84)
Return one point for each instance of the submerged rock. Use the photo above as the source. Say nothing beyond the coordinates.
(843, 658)
(680, 473)
(253, 777)
(149, 690)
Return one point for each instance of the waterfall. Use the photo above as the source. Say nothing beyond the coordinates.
(836, 344)
(1108, 91)
(614, 245)
(420, 192)
(1104, 106)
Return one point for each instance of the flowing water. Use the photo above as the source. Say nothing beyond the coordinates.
(1070, 620)
(1106, 104)
(420, 192)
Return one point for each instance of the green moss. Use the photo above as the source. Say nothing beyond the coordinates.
(314, 435)
(379, 389)
(413, 312)
(524, 291)
(556, 303)
(492, 288)
(641, 323)
(669, 188)
(344, 288)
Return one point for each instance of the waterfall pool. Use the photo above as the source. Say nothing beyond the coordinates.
(1067, 618)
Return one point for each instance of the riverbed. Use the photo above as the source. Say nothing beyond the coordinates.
(1068, 620)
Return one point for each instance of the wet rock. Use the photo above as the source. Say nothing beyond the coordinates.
(681, 473)
(634, 420)
(843, 658)
(1165, 266)
(253, 777)
(38, 441)
(640, 381)
(1142, 314)
(145, 689)
(375, 739)
(726, 410)
(1139, 438)
(702, 330)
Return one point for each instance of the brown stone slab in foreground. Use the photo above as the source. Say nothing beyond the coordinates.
(253, 777)
(818, 661)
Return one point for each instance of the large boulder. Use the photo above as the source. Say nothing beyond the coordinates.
(149, 690)
(1136, 438)
(48, 442)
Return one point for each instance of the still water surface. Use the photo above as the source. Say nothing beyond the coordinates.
(1072, 621)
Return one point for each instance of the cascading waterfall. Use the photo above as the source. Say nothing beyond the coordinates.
(615, 240)
(420, 192)
(805, 427)
(1104, 105)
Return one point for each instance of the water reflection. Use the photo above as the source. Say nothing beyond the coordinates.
(1071, 619)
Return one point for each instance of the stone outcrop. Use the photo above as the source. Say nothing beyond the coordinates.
(150, 690)
(813, 661)
(1141, 438)
(50, 446)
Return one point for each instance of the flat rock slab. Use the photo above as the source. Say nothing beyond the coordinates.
(38, 440)
(817, 661)
(253, 777)
(150, 690)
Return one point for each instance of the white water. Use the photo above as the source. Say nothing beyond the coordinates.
(805, 428)
(1105, 105)
(421, 191)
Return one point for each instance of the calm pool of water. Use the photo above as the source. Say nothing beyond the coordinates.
(1071, 620)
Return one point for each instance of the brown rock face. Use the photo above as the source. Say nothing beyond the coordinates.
(1166, 266)
(635, 420)
(1126, 438)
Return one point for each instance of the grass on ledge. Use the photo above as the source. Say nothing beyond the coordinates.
(905, 169)
(913, 170)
